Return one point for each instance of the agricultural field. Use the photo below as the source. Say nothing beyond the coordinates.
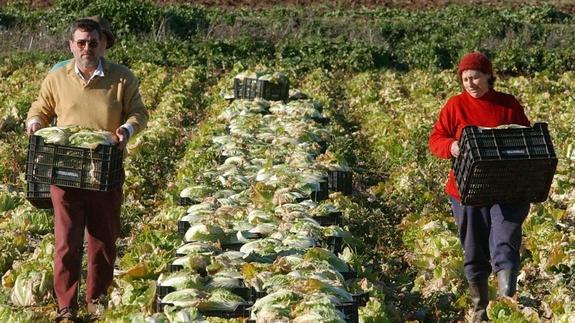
(366, 85)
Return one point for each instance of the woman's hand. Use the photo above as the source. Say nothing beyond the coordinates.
(454, 149)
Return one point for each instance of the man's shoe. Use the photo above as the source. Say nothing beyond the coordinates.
(66, 315)
(96, 307)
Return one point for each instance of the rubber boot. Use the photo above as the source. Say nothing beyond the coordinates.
(479, 292)
(507, 282)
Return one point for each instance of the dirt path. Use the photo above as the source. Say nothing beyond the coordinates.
(564, 5)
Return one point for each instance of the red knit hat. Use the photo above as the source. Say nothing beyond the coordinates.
(475, 61)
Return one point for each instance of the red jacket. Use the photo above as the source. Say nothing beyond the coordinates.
(491, 110)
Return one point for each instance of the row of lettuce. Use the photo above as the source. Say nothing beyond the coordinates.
(520, 39)
(25, 231)
(261, 208)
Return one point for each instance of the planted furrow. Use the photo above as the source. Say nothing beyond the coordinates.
(154, 152)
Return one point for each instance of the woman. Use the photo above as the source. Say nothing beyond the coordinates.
(490, 235)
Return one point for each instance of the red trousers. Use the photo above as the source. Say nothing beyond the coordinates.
(98, 214)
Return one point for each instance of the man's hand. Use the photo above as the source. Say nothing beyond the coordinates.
(33, 127)
(454, 149)
(123, 137)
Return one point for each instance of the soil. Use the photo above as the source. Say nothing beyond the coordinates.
(564, 5)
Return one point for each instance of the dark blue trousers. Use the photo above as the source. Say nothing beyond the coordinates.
(490, 237)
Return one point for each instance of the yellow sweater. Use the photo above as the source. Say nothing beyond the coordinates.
(104, 103)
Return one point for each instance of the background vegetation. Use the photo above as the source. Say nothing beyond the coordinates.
(523, 39)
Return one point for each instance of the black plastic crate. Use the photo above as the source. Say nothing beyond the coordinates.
(222, 159)
(183, 227)
(322, 194)
(173, 268)
(243, 292)
(245, 88)
(249, 88)
(241, 311)
(333, 244)
(162, 291)
(38, 195)
(505, 165)
(322, 146)
(361, 298)
(334, 218)
(231, 246)
(186, 201)
(160, 305)
(272, 91)
(350, 310)
(97, 169)
(340, 181)
(347, 275)
(257, 294)
(321, 120)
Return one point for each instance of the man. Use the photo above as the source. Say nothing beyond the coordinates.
(107, 41)
(90, 92)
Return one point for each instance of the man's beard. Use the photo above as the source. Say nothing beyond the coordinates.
(89, 62)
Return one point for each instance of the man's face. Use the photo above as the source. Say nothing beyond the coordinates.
(87, 48)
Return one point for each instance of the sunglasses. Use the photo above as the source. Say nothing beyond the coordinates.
(91, 43)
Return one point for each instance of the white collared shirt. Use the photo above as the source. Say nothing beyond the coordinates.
(98, 72)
